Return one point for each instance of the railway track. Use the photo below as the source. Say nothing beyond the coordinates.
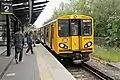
(96, 72)
(81, 74)
(85, 71)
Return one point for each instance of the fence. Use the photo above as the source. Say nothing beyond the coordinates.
(100, 41)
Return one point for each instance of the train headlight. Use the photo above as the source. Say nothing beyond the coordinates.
(85, 46)
(88, 44)
(62, 45)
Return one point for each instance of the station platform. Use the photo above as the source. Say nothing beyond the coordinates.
(3, 49)
(5, 61)
(39, 66)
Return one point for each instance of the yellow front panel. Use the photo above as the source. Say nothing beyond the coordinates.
(75, 43)
(66, 41)
(84, 40)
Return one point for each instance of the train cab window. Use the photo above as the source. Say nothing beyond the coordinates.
(63, 28)
(86, 28)
(74, 24)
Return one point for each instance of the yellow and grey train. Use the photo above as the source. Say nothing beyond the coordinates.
(70, 36)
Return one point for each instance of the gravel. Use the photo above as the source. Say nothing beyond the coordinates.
(104, 67)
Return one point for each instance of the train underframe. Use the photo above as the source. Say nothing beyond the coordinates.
(77, 56)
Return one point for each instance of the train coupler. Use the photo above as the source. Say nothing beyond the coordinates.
(77, 56)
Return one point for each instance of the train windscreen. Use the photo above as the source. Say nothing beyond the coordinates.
(74, 25)
(63, 27)
(86, 27)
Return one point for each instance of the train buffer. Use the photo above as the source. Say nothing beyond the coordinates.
(39, 66)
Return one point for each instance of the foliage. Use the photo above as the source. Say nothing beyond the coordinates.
(62, 10)
(111, 55)
(113, 31)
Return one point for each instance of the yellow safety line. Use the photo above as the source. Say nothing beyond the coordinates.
(6, 13)
(43, 70)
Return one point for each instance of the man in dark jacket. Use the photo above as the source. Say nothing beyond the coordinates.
(29, 42)
(19, 43)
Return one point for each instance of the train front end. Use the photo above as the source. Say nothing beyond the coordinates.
(76, 37)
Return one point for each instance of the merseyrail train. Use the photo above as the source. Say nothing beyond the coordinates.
(69, 36)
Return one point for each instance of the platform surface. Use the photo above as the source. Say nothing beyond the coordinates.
(39, 66)
(3, 49)
(27, 70)
(5, 61)
(50, 67)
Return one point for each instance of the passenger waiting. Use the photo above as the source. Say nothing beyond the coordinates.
(29, 42)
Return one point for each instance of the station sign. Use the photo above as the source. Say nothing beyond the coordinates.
(6, 7)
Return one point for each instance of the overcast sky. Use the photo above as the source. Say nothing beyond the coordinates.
(48, 11)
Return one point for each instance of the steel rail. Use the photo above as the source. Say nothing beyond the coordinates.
(96, 72)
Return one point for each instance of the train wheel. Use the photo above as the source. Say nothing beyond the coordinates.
(86, 57)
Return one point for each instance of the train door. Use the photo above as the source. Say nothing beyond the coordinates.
(42, 34)
(52, 35)
(74, 32)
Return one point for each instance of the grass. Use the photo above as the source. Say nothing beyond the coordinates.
(110, 55)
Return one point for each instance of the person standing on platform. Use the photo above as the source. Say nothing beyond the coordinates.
(34, 38)
(25, 42)
(29, 42)
(19, 43)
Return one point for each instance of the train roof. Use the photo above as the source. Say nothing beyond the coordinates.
(74, 17)
(68, 17)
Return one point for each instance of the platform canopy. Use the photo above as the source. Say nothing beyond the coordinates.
(27, 11)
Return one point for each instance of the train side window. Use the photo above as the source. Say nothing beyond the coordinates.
(47, 32)
(52, 27)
